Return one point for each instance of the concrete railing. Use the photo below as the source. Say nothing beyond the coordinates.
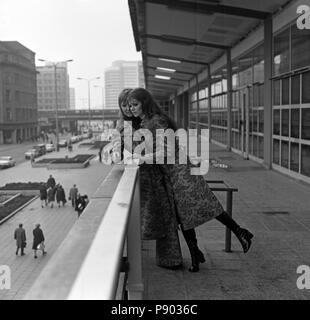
(88, 263)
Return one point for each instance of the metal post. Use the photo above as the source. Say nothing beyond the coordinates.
(209, 102)
(229, 98)
(56, 108)
(88, 81)
(229, 198)
(134, 249)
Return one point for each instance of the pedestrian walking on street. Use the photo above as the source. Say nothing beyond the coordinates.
(51, 196)
(20, 237)
(38, 241)
(194, 201)
(43, 195)
(51, 182)
(73, 193)
(60, 195)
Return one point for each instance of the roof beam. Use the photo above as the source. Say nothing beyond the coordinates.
(208, 8)
(184, 41)
(178, 59)
(168, 83)
(172, 78)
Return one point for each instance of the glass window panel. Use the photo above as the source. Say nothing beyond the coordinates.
(203, 104)
(261, 121)
(193, 106)
(284, 154)
(305, 124)
(286, 91)
(261, 147)
(300, 45)
(276, 122)
(276, 149)
(276, 92)
(305, 87)
(285, 122)
(193, 117)
(281, 58)
(305, 160)
(202, 93)
(255, 120)
(203, 118)
(295, 89)
(255, 147)
(294, 164)
(295, 123)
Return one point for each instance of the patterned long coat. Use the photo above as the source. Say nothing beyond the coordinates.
(195, 202)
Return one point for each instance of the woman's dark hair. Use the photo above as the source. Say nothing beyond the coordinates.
(149, 105)
(122, 99)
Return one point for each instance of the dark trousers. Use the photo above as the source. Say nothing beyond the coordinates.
(22, 250)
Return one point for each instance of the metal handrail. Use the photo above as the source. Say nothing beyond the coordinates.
(98, 276)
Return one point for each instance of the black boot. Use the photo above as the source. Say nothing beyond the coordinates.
(196, 255)
(244, 236)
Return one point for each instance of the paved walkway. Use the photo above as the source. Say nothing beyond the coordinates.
(276, 209)
(55, 222)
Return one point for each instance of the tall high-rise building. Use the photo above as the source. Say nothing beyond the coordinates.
(122, 74)
(46, 88)
(72, 98)
(18, 93)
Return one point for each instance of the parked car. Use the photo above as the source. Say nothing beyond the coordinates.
(41, 149)
(63, 143)
(50, 147)
(7, 162)
(30, 152)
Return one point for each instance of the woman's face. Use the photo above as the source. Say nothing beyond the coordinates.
(136, 107)
(126, 109)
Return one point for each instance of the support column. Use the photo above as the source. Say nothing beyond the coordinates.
(268, 61)
(229, 99)
(197, 90)
(13, 136)
(209, 101)
(1, 137)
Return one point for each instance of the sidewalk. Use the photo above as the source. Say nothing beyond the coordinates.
(272, 206)
(55, 222)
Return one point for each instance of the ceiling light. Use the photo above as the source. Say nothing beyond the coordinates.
(162, 77)
(169, 60)
(165, 69)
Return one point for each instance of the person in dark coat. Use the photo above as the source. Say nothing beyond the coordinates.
(38, 240)
(158, 217)
(20, 237)
(51, 182)
(81, 203)
(60, 195)
(195, 202)
(43, 195)
(51, 196)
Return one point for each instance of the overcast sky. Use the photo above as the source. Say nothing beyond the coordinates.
(91, 32)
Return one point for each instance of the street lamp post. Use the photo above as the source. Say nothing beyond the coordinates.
(54, 64)
(102, 90)
(88, 82)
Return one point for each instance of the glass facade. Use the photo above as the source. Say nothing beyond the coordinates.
(290, 102)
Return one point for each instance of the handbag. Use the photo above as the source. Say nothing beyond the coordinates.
(41, 246)
(24, 244)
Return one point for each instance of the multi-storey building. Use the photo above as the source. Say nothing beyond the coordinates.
(18, 93)
(72, 98)
(48, 97)
(122, 74)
